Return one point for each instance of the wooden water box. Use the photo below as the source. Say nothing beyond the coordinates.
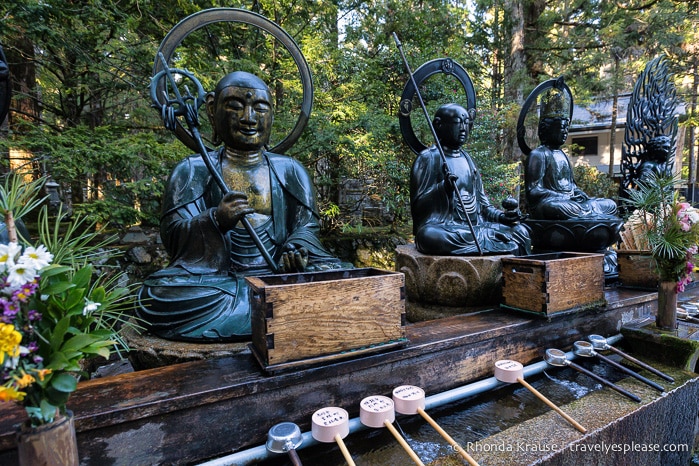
(636, 270)
(546, 284)
(308, 318)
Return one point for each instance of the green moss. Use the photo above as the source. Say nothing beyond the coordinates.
(666, 346)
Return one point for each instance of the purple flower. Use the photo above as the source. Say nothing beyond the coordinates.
(33, 315)
(23, 293)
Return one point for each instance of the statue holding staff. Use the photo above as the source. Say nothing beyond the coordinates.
(202, 295)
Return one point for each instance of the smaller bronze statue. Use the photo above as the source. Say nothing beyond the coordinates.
(250, 212)
(562, 217)
(451, 212)
(551, 191)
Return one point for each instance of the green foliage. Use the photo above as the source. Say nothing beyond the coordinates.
(95, 131)
(594, 183)
(500, 179)
(669, 227)
(127, 169)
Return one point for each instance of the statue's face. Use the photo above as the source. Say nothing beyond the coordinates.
(557, 132)
(659, 148)
(243, 117)
(453, 128)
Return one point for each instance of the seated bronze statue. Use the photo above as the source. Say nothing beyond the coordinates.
(551, 191)
(202, 295)
(444, 196)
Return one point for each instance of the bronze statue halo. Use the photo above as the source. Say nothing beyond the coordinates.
(203, 18)
(439, 65)
(557, 83)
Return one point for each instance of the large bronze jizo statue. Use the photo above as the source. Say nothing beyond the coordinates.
(562, 216)
(202, 295)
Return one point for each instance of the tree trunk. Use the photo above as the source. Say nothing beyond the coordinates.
(693, 172)
(514, 70)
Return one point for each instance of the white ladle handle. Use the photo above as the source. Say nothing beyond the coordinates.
(403, 444)
(447, 437)
(551, 405)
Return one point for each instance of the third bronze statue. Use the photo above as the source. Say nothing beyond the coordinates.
(202, 295)
(562, 216)
(551, 191)
(445, 196)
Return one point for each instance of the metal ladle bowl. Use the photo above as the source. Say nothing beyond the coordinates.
(584, 348)
(598, 342)
(556, 357)
(284, 437)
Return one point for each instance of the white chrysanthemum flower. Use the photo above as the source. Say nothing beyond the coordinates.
(693, 215)
(19, 274)
(37, 258)
(8, 255)
(90, 307)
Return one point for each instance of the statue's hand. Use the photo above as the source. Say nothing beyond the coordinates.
(511, 217)
(450, 182)
(293, 259)
(232, 208)
(579, 196)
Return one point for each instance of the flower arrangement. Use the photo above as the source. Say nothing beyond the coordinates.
(666, 226)
(55, 312)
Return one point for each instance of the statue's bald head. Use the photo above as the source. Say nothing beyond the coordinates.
(241, 79)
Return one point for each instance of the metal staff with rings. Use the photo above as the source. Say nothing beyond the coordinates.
(187, 106)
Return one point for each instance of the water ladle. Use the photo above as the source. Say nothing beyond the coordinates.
(379, 411)
(600, 344)
(329, 425)
(556, 357)
(683, 314)
(509, 371)
(587, 350)
(409, 399)
(285, 437)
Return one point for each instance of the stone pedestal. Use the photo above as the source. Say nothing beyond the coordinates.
(452, 281)
(148, 351)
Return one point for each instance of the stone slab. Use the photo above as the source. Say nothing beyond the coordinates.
(147, 351)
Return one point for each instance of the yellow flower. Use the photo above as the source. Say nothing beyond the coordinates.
(9, 340)
(24, 380)
(41, 373)
(10, 394)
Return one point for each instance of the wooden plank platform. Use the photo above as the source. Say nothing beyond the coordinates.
(194, 411)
